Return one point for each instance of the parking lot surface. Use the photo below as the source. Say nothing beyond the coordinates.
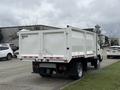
(16, 75)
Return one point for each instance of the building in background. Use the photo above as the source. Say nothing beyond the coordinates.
(119, 41)
(10, 33)
(114, 41)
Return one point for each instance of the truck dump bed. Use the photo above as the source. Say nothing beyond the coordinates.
(60, 45)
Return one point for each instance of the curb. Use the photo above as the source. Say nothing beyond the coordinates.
(71, 83)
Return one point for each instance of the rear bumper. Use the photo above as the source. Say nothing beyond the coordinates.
(45, 60)
(37, 66)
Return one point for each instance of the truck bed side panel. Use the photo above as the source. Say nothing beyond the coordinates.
(78, 42)
(83, 43)
(54, 44)
(29, 44)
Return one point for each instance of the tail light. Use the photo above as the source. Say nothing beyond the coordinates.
(54, 58)
(30, 57)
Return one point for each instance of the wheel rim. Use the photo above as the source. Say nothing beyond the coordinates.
(9, 57)
(80, 71)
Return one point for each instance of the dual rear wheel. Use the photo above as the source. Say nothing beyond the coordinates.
(76, 69)
(97, 63)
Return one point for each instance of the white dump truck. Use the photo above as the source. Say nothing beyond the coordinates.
(61, 51)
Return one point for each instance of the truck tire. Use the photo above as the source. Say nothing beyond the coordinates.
(9, 56)
(97, 64)
(108, 56)
(100, 58)
(35, 67)
(43, 72)
(84, 63)
(77, 70)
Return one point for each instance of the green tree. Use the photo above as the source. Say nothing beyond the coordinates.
(114, 42)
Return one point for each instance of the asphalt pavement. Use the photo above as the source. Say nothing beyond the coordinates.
(16, 75)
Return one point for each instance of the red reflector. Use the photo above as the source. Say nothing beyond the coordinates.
(30, 56)
(25, 56)
(51, 57)
(47, 60)
(57, 58)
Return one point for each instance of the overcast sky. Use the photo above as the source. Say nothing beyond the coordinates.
(80, 13)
